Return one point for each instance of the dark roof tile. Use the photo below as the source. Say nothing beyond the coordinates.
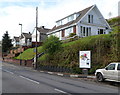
(27, 35)
(81, 14)
(43, 30)
(16, 39)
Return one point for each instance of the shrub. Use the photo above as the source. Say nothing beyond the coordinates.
(52, 44)
(72, 34)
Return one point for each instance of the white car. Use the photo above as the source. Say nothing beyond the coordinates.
(110, 72)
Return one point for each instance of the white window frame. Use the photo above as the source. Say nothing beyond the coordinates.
(68, 31)
(85, 31)
(90, 18)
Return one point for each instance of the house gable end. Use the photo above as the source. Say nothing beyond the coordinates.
(98, 18)
(102, 17)
(85, 14)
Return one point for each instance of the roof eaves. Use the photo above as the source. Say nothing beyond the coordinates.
(66, 16)
(78, 19)
(61, 28)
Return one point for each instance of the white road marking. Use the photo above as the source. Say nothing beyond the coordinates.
(8, 72)
(59, 90)
(29, 79)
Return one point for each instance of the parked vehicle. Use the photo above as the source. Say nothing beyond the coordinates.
(110, 73)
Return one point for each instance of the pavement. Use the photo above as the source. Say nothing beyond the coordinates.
(62, 74)
(70, 75)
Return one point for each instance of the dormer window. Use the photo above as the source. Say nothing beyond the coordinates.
(66, 20)
(90, 18)
(59, 23)
(70, 18)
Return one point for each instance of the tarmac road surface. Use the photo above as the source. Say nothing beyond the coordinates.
(18, 79)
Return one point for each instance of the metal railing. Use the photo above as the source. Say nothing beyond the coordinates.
(55, 68)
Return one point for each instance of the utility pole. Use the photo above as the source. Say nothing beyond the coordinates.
(20, 44)
(36, 36)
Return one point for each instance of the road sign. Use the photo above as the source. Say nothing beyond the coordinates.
(85, 59)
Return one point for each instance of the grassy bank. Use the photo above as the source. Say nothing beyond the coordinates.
(104, 48)
(28, 54)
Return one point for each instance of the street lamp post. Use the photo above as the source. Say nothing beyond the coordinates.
(21, 27)
(36, 37)
(20, 44)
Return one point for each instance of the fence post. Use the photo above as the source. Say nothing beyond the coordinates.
(20, 62)
(25, 62)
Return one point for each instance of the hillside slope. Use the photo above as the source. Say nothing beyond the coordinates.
(104, 48)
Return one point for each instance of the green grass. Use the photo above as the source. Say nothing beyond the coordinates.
(68, 44)
(102, 47)
(85, 40)
(43, 57)
(29, 53)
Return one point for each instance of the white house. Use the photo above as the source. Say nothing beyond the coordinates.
(84, 23)
(15, 41)
(41, 34)
(26, 39)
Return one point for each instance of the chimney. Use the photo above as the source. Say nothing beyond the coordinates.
(42, 27)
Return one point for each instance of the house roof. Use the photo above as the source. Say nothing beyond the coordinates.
(26, 35)
(16, 39)
(43, 30)
(81, 14)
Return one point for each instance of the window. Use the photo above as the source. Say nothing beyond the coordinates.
(100, 31)
(111, 67)
(89, 31)
(90, 18)
(68, 31)
(70, 18)
(59, 23)
(118, 68)
(83, 31)
(81, 28)
(57, 34)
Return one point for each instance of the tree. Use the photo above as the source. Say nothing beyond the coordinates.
(52, 44)
(6, 42)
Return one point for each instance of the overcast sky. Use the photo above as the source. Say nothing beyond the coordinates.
(13, 12)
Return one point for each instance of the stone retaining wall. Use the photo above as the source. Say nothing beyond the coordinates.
(27, 63)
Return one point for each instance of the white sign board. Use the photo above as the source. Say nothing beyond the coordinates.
(34, 59)
(85, 59)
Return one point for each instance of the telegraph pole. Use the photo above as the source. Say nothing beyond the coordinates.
(20, 44)
(36, 36)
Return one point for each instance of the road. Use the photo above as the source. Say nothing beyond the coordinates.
(17, 79)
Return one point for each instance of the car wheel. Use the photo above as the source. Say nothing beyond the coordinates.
(100, 77)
